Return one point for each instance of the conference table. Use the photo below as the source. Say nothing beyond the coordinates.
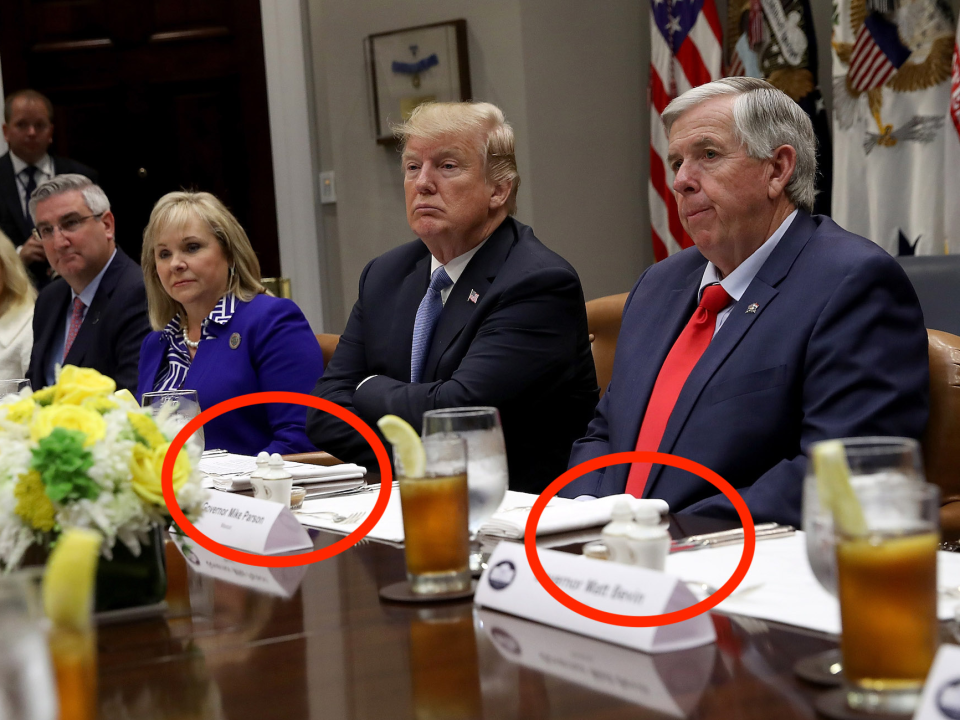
(332, 649)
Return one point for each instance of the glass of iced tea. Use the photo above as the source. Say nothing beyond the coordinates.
(435, 511)
(887, 585)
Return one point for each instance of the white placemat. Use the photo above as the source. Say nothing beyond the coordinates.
(389, 528)
(788, 592)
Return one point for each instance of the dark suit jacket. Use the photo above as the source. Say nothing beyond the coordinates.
(277, 351)
(12, 222)
(835, 348)
(112, 331)
(521, 347)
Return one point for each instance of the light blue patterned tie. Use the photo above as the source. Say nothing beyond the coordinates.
(427, 314)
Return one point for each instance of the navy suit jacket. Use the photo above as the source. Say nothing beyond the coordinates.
(277, 350)
(112, 330)
(836, 347)
(520, 344)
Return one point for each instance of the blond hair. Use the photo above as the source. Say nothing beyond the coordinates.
(17, 288)
(174, 210)
(483, 121)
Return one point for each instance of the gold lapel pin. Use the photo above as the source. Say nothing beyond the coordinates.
(235, 341)
(752, 308)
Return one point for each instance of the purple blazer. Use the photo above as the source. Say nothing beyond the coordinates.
(277, 350)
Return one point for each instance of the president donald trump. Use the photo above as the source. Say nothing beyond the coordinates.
(778, 329)
(476, 311)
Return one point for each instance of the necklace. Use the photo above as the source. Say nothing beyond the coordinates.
(190, 343)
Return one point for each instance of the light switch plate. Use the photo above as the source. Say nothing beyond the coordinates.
(328, 187)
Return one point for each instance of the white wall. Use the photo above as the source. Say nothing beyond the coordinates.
(570, 78)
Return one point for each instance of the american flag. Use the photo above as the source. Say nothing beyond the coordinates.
(877, 54)
(686, 51)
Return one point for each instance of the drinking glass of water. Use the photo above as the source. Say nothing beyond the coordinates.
(13, 387)
(487, 476)
(178, 406)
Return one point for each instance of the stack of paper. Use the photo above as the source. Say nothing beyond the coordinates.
(231, 472)
(780, 585)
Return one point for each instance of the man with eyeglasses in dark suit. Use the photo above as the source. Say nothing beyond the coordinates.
(95, 314)
(28, 130)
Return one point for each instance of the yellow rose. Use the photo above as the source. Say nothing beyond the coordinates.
(45, 396)
(145, 467)
(33, 505)
(147, 429)
(21, 411)
(100, 403)
(75, 384)
(69, 417)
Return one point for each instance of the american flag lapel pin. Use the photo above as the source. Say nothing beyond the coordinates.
(752, 308)
(474, 296)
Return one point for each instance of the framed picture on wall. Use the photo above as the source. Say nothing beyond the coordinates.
(416, 65)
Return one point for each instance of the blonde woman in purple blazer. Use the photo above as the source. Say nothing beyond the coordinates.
(217, 332)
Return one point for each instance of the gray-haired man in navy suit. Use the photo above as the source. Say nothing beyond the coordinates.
(95, 314)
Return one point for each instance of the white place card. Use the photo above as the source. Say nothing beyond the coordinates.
(941, 693)
(257, 526)
(651, 681)
(282, 582)
(509, 585)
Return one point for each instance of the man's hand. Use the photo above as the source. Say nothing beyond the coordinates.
(32, 251)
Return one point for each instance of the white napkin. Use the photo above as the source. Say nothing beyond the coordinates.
(784, 588)
(560, 515)
(232, 472)
(389, 528)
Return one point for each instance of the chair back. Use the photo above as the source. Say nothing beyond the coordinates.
(941, 442)
(603, 324)
(328, 343)
(936, 280)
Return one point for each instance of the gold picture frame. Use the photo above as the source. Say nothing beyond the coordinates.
(415, 65)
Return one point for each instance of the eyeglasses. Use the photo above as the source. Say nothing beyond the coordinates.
(70, 225)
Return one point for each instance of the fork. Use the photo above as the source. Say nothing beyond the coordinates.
(336, 517)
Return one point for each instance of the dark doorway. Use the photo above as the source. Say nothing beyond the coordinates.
(157, 95)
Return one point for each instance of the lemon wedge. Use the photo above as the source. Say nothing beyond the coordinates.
(68, 581)
(406, 444)
(836, 492)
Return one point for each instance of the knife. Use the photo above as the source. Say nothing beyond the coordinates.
(764, 531)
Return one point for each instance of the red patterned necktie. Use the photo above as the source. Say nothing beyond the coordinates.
(76, 319)
(682, 358)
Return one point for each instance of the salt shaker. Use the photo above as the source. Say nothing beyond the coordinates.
(648, 539)
(256, 477)
(277, 482)
(615, 534)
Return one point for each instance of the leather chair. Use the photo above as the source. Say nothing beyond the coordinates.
(603, 324)
(937, 282)
(941, 443)
(328, 343)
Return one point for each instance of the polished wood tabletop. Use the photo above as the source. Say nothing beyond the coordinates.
(333, 649)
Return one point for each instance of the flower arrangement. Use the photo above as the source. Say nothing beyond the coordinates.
(81, 454)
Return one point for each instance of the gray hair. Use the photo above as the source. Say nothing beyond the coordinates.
(485, 121)
(764, 118)
(93, 195)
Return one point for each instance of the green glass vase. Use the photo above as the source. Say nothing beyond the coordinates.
(127, 581)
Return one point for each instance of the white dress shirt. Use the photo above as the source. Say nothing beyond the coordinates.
(737, 282)
(86, 297)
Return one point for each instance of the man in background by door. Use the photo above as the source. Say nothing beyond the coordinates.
(28, 130)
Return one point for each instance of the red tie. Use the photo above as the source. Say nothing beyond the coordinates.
(683, 356)
(76, 319)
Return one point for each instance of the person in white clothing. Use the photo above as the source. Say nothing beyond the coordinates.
(17, 297)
